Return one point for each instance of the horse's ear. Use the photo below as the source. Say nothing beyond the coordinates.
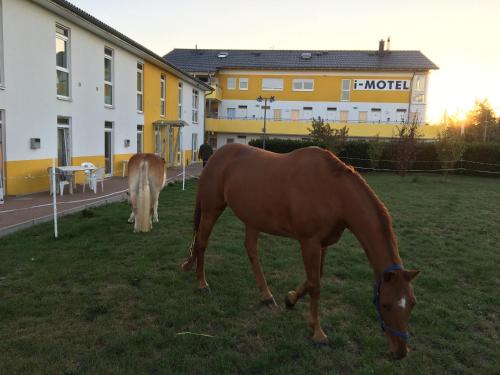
(389, 276)
(410, 274)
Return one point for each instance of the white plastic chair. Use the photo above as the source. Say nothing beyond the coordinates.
(60, 182)
(88, 174)
(98, 176)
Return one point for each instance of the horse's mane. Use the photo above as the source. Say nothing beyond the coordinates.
(338, 166)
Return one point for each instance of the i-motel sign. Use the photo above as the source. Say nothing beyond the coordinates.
(382, 84)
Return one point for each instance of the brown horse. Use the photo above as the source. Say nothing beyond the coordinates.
(309, 195)
(146, 177)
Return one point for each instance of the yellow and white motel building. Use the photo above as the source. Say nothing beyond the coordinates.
(370, 92)
(74, 89)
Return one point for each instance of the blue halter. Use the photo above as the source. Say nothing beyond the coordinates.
(376, 301)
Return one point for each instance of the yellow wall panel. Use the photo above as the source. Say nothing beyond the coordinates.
(326, 88)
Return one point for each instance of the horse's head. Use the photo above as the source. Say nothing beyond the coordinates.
(395, 300)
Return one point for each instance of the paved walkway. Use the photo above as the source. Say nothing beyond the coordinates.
(21, 212)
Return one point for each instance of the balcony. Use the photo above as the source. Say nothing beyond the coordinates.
(216, 94)
(301, 127)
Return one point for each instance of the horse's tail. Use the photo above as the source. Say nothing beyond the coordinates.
(143, 218)
(196, 224)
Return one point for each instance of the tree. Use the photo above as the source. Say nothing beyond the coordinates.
(481, 123)
(333, 139)
(449, 149)
(375, 151)
(407, 138)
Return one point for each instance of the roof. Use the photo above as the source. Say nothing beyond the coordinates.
(74, 10)
(207, 60)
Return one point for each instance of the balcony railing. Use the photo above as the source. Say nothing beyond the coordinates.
(309, 120)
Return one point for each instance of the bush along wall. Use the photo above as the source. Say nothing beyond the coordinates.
(477, 157)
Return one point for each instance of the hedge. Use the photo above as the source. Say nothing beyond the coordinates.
(356, 153)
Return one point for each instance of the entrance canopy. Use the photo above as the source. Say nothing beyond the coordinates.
(166, 123)
(168, 144)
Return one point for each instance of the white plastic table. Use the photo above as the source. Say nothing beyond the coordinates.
(73, 169)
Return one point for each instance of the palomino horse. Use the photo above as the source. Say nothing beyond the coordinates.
(146, 177)
(309, 195)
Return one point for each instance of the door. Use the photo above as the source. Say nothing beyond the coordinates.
(295, 115)
(171, 147)
(308, 113)
(376, 114)
(344, 116)
(363, 116)
(231, 113)
(63, 142)
(108, 148)
(242, 111)
(277, 114)
(194, 147)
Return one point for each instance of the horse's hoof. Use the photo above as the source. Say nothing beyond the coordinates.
(204, 289)
(156, 220)
(186, 266)
(320, 341)
(291, 299)
(270, 302)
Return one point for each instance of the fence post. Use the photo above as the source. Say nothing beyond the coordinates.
(54, 194)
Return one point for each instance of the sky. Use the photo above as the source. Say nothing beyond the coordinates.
(461, 37)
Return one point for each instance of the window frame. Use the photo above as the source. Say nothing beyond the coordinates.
(345, 91)
(302, 81)
(140, 130)
(231, 79)
(163, 95)
(239, 84)
(109, 83)
(273, 88)
(140, 92)
(180, 90)
(62, 69)
(2, 72)
(195, 106)
(69, 146)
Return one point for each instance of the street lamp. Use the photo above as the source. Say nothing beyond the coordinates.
(260, 99)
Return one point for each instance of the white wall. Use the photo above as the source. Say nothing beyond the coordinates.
(187, 106)
(254, 110)
(30, 99)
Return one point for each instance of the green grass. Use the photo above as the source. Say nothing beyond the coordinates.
(102, 299)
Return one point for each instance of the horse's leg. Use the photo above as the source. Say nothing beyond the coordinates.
(311, 253)
(133, 202)
(251, 239)
(293, 296)
(156, 196)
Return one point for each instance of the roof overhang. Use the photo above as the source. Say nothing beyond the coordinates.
(72, 13)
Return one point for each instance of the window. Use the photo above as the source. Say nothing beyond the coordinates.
(140, 138)
(180, 90)
(277, 114)
(295, 114)
(231, 113)
(163, 87)
(345, 94)
(303, 85)
(108, 76)
(230, 140)
(363, 116)
(419, 98)
(194, 147)
(272, 84)
(344, 116)
(62, 61)
(63, 141)
(419, 83)
(376, 109)
(196, 106)
(243, 83)
(308, 113)
(231, 83)
(140, 87)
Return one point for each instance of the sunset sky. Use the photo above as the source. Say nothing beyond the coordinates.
(461, 37)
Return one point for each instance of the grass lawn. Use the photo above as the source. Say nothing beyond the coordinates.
(103, 300)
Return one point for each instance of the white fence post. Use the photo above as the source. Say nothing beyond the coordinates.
(54, 194)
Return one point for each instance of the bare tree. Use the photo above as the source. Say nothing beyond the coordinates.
(407, 138)
(449, 148)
